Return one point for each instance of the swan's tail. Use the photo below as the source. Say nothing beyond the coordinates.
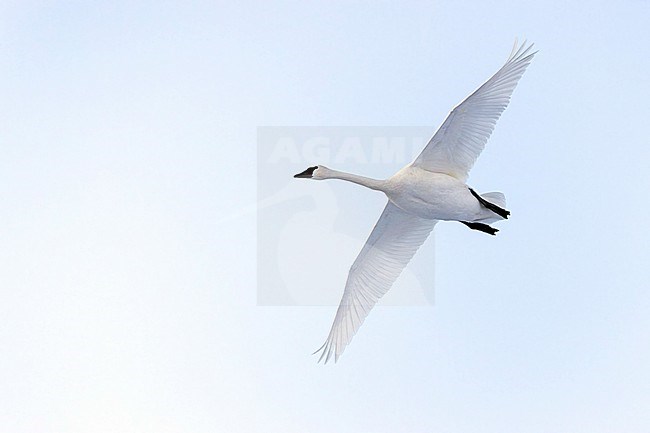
(496, 198)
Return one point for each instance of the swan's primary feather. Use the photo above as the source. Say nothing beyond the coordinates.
(453, 149)
(394, 240)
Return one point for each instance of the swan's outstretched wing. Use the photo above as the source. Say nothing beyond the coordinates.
(461, 138)
(395, 238)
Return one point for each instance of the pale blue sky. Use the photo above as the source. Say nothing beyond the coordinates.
(128, 183)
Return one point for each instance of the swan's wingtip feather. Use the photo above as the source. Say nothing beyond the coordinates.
(514, 49)
(520, 51)
(326, 351)
(319, 349)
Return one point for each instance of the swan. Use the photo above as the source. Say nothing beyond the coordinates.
(432, 188)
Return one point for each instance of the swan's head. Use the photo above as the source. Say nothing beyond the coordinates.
(317, 172)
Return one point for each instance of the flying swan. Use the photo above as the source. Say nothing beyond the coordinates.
(431, 189)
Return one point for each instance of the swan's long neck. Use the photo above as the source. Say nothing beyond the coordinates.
(354, 178)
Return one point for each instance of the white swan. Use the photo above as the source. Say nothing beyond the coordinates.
(430, 189)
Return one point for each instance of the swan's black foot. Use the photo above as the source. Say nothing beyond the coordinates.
(481, 227)
(494, 208)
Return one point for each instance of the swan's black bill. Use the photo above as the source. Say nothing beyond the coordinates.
(308, 174)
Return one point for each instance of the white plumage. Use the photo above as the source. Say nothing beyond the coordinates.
(430, 189)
